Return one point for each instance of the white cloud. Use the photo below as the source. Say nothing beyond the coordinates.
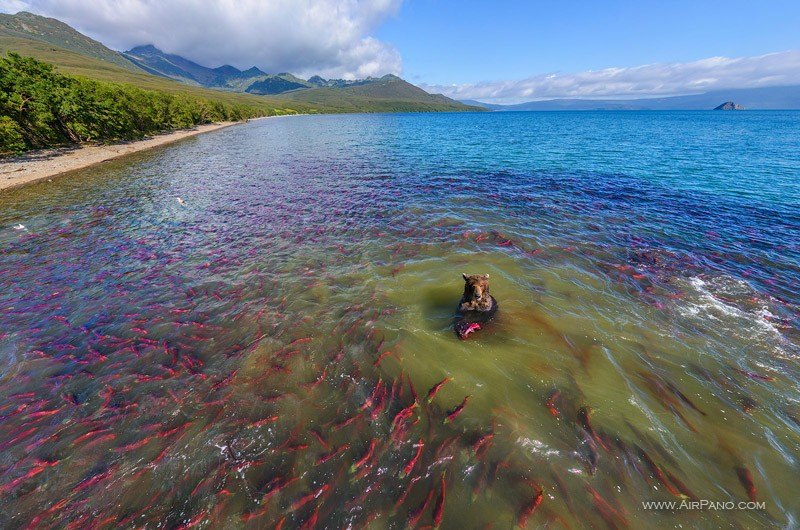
(13, 6)
(665, 79)
(306, 37)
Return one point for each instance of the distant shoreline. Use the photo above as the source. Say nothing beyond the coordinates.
(36, 166)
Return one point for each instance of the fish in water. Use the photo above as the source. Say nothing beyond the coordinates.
(438, 508)
(411, 463)
(528, 509)
(435, 388)
(456, 411)
(746, 479)
(464, 329)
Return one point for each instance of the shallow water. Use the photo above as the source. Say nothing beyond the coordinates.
(249, 356)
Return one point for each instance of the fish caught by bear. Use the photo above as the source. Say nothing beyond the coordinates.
(477, 306)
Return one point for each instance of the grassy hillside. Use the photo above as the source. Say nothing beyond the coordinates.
(274, 84)
(72, 63)
(54, 32)
(388, 94)
(54, 42)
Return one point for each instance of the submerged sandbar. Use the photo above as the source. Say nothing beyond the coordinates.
(48, 163)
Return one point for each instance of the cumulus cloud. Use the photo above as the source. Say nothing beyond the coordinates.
(305, 37)
(664, 79)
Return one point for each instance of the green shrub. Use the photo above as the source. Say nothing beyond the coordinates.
(11, 140)
(40, 107)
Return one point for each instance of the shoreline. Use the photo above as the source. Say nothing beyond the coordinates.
(44, 164)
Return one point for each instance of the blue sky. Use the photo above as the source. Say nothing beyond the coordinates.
(468, 41)
(503, 51)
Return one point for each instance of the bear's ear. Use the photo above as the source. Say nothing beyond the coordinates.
(464, 274)
(486, 276)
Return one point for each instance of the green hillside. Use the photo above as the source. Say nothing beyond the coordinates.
(72, 63)
(275, 84)
(147, 67)
(387, 94)
(51, 31)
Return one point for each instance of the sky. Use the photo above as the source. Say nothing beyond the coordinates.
(503, 51)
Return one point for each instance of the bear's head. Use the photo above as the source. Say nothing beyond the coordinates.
(476, 288)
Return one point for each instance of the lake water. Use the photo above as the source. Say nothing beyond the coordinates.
(260, 354)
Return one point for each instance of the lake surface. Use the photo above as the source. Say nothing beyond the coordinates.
(260, 354)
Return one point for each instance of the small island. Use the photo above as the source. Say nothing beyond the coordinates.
(729, 105)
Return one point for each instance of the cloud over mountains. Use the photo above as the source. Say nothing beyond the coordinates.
(664, 79)
(335, 38)
(327, 37)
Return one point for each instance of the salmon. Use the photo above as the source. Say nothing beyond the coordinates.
(529, 508)
(438, 508)
(411, 463)
(746, 479)
(435, 388)
(456, 411)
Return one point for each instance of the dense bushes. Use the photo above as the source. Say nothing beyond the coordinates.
(40, 107)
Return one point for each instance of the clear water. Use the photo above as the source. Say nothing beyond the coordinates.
(242, 359)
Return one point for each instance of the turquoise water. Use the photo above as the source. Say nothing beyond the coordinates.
(259, 353)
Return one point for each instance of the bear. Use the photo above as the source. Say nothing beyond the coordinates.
(476, 307)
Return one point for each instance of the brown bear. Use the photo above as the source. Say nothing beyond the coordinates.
(477, 306)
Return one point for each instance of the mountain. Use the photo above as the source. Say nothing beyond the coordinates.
(487, 106)
(155, 61)
(227, 77)
(729, 105)
(33, 36)
(276, 84)
(50, 31)
(152, 60)
(386, 94)
(764, 98)
(147, 67)
(317, 81)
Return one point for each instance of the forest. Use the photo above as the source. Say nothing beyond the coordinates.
(42, 108)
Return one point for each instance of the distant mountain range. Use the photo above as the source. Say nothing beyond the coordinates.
(786, 97)
(252, 80)
(55, 42)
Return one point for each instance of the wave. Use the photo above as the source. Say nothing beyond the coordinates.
(737, 310)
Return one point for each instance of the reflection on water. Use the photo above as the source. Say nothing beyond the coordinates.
(263, 353)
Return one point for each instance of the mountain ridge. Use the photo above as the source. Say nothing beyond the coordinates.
(148, 67)
(252, 80)
(382, 91)
(762, 98)
(54, 32)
